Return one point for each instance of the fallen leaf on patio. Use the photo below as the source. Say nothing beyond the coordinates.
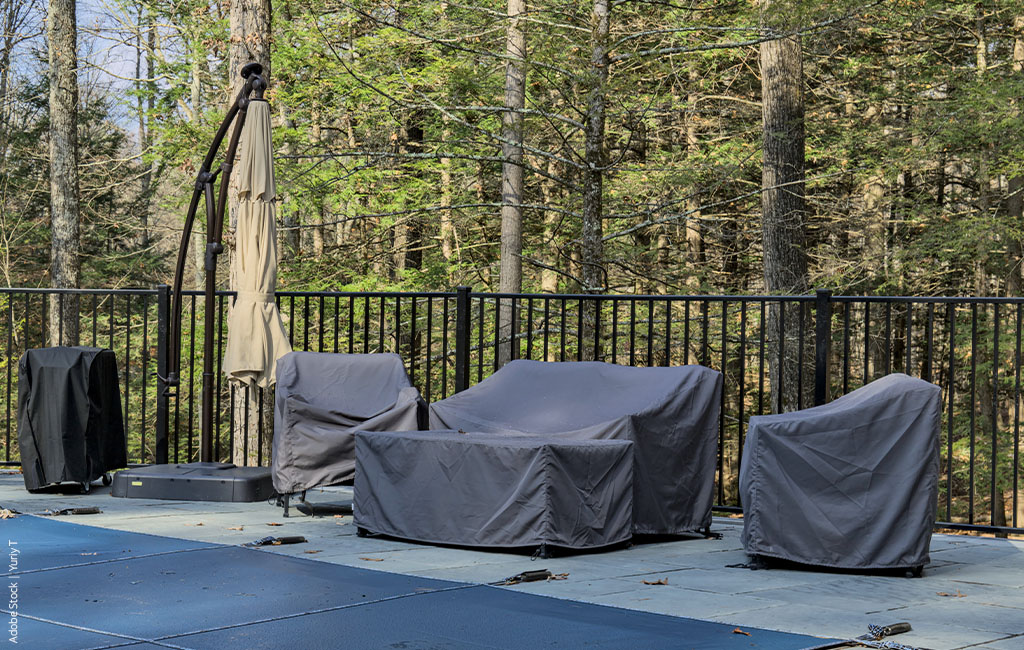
(274, 523)
(663, 581)
(6, 514)
(372, 559)
(236, 527)
(558, 576)
(310, 552)
(956, 595)
(199, 524)
(338, 516)
(739, 631)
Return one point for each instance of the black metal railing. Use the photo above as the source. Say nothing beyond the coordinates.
(971, 347)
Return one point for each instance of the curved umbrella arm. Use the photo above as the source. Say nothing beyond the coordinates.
(255, 85)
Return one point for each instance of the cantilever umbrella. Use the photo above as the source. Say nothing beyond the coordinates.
(256, 335)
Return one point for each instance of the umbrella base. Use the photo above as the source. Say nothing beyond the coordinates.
(195, 482)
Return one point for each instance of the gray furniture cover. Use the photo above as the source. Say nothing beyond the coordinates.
(485, 490)
(670, 414)
(850, 484)
(321, 398)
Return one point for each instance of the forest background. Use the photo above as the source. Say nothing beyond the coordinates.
(390, 141)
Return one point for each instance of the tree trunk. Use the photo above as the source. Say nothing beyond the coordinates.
(694, 236)
(594, 154)
(782, 205)
(65, 249)
(250, 42)
(592, 251)
(447, 228)
(1015, 198)
(510, 276)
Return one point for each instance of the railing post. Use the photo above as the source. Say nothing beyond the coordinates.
(462, 328)
(163, 322)
(822, 344)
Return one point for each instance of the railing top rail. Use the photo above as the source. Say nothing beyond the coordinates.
(986, 300)
(642, 297)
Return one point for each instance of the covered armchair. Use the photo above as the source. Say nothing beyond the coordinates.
(669, 414)
(850, 484)
(321, 399)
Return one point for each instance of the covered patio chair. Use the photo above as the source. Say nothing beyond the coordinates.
(850, 484)
(321, 399)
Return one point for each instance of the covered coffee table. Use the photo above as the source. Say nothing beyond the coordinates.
(491, 489)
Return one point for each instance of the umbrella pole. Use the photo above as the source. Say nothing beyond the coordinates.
(255, 84)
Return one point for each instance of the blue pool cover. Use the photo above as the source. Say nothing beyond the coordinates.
(82, 587)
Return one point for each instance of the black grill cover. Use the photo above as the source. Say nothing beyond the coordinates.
(69, 415)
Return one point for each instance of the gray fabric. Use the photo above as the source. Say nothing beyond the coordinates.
(321, 398)
(850, 484)
(486, 490)
(670, 414)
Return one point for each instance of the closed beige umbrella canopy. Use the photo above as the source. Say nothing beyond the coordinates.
(256, 335)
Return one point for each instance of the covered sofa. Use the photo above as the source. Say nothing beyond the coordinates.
(670, 415)
(321, 398)
(850, 484)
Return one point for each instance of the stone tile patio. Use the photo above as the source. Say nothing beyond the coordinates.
(983, 577)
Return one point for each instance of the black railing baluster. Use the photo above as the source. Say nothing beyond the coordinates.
(562, 333)
(529, 328)
(217, 419)
(949, 415)
(929, 335)
(973, 402)
(412, 339)
(366, 324)
(800, 355)
(762, 344)
(1016, 417)
(995, 409)
(615, 331)
(632, 331)
(908, 346)
(547, 326)
(481, 316)
(888, 338)
(462, 332)
(579, 329)
(305, 332)
(381, 325)
(145, 373)
(741, 393)
(191, 371)
(127, 361)
(822, 344)
(650, 334)
(320, 327)
(867, 342)
(705, 323)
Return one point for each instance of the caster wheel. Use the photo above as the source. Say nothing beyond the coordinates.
(107, 480)
(86, 486)
(362, 532)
